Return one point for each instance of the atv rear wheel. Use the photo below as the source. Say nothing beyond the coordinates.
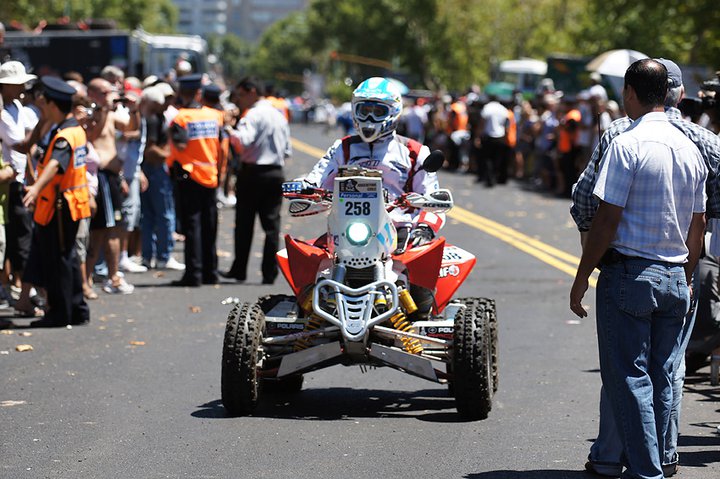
(239, 379)
(472, 362)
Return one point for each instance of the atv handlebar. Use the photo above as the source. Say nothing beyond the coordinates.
(299, 190)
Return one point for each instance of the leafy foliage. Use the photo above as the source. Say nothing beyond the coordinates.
(155, 16)
(284, 53)
(234, 55)
(425, 43)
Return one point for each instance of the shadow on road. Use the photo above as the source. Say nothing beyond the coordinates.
(333, 404)
(540, 474)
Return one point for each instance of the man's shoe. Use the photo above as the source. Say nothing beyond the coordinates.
(670, 470)
(47, 323)
(130, 266)
(121, 288)
(171, 264)
(231, 275)
(268, 281)
(191, 283)
(605, 469)
(211, 281)
(81, 322)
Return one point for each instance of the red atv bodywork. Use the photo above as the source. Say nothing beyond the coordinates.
(432, 266)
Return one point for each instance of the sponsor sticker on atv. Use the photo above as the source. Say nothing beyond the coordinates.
(353, 188)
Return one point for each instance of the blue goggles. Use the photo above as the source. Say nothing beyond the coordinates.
(370, 109)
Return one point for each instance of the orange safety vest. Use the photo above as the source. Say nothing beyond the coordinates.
(200, 156)
(566, 138)
(280, 104)
(511, 131)
(459, 121)
(72, 183)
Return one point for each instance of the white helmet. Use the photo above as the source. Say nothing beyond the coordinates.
(376, 108)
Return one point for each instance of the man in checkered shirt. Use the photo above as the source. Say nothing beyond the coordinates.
(607, 450)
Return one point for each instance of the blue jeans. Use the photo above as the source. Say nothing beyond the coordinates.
(607, 448)
(641, 306)
(158, 214)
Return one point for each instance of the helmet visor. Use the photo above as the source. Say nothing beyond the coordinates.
(370, 109)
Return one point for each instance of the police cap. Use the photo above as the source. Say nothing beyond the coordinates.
(211, 92)
(190, 82)
(56, 89)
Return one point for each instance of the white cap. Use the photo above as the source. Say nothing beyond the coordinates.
(149, 81)
(153, 94)
(13, 73)
(166, 89)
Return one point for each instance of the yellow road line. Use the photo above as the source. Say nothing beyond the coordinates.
(545, 253)
(307, 149)
(556, 258)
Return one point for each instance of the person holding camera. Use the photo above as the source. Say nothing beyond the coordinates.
(106, 225)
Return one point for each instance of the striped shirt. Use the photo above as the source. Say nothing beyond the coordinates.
(656, 174)
(585, 204)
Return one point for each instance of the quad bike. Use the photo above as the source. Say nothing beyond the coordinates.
(356, 298)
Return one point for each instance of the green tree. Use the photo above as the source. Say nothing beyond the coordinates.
(234, 55)
(156, 16)
(283, 54)
(683, 30)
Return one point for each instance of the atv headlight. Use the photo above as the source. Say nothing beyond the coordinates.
(358, 234)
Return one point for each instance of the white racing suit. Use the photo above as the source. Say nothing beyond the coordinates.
(390, 156)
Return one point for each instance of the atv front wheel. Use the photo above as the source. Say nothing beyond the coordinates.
(239, 379)
(472, 362)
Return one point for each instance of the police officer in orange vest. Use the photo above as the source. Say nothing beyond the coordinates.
(61, 200)
(193, 160)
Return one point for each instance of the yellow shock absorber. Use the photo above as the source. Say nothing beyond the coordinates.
(407, 301)
(314, 321)
(400, 322)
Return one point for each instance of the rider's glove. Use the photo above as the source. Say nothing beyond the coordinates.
(420, 235)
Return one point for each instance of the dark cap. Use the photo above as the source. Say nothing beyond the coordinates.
(56, 89)
(674, 73)
(190, 82)
(211, 92)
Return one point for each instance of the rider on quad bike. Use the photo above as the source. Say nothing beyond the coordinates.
(378, 288)
(376, 109)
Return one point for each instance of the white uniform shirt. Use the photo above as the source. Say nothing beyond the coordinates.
(658, 177)
(16, 121)
(496, 117)
(263, 136)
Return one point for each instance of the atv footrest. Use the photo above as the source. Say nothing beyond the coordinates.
(410, 363)
(308, 358)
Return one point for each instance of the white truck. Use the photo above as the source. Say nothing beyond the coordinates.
(138, 53)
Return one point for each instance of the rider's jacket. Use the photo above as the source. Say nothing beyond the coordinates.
(386, 154)
(71, 182)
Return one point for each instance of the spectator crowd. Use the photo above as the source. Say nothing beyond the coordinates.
(134, 223)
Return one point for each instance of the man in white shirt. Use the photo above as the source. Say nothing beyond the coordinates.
(493, 124)
(16, 125)
(263, 139)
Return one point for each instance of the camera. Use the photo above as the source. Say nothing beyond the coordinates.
(707, 102)
(121, 99)
(710, 102)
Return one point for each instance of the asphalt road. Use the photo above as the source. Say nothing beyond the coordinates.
(136, 393)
